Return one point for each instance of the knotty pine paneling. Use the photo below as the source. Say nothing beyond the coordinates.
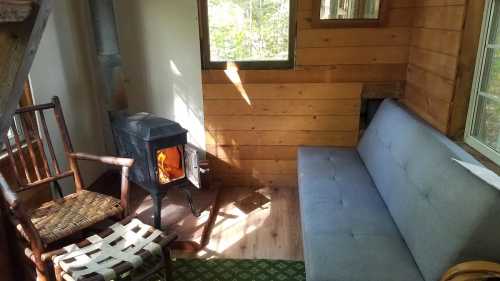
(252, 137)
(283, 91)
(288, 138)
(254, 141)
(358, 46)
(434, 56)
(436, 63)
(334, 37)
(352, 55)
(280, 107)
(436, 40)
(466, 66)
(342, 123)
(314, 74)
(433, 85)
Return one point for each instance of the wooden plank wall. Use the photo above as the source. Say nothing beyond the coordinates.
(256, 121)
(441, 61)
(255, 143)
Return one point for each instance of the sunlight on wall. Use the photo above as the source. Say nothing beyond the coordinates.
(174, 68)
(232, 73)
(188, 118)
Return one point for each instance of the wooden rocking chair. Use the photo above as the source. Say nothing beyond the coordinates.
(60, 218)
(473, 271)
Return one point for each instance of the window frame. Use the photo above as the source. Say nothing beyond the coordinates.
(264, 64)
(469, 139)
(318, 22)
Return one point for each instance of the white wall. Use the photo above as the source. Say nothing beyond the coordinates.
(61, 68)
(159, 42)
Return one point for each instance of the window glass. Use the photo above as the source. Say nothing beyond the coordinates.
(350, 9)
(487, 123)
(248, 30)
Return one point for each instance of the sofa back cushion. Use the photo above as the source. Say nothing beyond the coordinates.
(445, 213)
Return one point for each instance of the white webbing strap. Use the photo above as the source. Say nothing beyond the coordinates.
(107, 256)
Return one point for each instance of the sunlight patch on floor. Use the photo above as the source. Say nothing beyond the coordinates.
(232, 225)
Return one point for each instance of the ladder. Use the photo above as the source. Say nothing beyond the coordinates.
(22, 23)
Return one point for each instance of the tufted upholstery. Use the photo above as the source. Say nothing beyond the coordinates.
(445, 214)
(397, 208)
(347, 230)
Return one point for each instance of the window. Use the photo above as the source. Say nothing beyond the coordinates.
(483, 122)
(250, 33)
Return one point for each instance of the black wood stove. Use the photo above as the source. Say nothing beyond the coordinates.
(164, 160)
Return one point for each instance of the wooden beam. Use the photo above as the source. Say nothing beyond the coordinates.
(21, 43)
(15, 10)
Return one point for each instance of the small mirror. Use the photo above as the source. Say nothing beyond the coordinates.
(348, 13)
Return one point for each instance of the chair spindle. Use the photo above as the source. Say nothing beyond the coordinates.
(6, 141)
(29, 142)
(19, 147)
(49, 143)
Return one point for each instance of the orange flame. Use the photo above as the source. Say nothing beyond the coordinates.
(170, 166)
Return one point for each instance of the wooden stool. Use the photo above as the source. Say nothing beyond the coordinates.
(128, 250)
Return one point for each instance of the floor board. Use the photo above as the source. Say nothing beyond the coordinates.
(251, 224)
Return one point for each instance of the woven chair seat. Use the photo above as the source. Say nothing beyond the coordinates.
(60, 218)
(125, 249)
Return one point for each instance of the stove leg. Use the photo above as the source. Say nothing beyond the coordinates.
(189, 198)
(157, 210)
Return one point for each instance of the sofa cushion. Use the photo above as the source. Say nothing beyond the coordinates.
(445, 214)
(348, 232)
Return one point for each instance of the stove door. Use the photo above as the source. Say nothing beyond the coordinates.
(191, 160)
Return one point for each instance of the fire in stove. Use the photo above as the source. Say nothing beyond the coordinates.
(170, 163)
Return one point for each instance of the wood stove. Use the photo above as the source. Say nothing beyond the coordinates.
(164, 159)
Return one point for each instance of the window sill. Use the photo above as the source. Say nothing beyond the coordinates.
(480, 157)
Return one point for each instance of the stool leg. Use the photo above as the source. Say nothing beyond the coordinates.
(168, 264)
(157, 210)
(58, 272)
(42, 270)
(41, 276)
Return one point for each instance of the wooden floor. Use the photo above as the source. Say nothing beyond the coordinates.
(251, 224)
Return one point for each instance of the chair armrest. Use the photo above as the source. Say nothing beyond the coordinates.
(111, 160)
(125, 163)
(473, 270)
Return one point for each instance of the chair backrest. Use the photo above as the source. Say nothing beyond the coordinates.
(28, 157)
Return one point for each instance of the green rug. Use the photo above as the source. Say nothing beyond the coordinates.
(238, 270)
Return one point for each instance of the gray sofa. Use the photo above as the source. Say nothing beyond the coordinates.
(398, 207)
